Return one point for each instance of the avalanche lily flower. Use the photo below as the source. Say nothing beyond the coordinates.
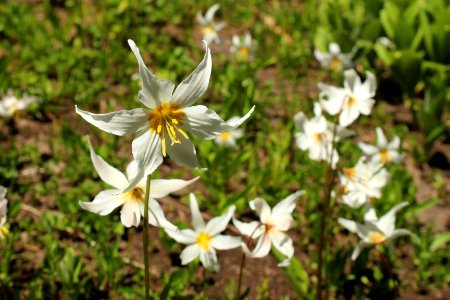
(383, 152)
(205, 239)
(243, 47)
(353, 99)
(271, 228)
(10, 104)
(210, 28)
(3, 210)
(316, 136)
(375, 231)
(363, 182)
(228, 138)
(168, 115)
(132, 201)
(334, 59)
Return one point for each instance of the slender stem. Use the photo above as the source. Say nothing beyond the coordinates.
(388, 267)
(146, 208)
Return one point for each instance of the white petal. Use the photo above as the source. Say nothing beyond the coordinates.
(334, 48)
(183, 154)
(370, 214)
(119, 122)
(400, 232)
(262, 247)
(352, 79)
(368, 149)
(248, 229)
(105, 202)
(195, 85)
(189, 254)
(225, 242)
(387, 222)
(162, 187)
(107, 173)
(3, 192)
(348, 115)
(218, 224)
(287, 205)
(154, 91)
(354, 227)
(359, 247)
(130, 215)
(381, 139)
(262, 209)
(157, 217)
(197, 219)
(146, 150)
(395, 143)
(132, 169)
(209, 16)
(283, 243)
(185, 236)
(209, 260)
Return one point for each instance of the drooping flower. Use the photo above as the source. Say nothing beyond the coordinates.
(3, 211)
(383, 152)
(353, 99)
(363, 183)
(243, 47)
(334, 59)
(210, 28)
(132, 201)
(205, 239)
(162, 126)
(228, 138)
(375, 231)
(271, 227)
(10, 104)
(316, 136)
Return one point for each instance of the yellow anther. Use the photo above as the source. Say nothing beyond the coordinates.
(203, 240)
(376, 237)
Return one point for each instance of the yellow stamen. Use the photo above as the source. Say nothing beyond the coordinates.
(4, 230)
(203, 240)
(208, 30)
(385, 157)
(224, 136)
(351, 101)
(167, 119)
(336, 64)
(137, 194)
(318, 137)
(376, 237)
(349, 172)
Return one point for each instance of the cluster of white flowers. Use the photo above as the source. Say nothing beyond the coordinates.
(3, 211)
(10, 104)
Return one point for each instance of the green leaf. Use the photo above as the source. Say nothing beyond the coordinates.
(440, 241)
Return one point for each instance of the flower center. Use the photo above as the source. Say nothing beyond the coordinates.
(137, 194)
(349, 172)
(167, 119)
(376, 237)
(351, 101)
(385, 157)
(336, 64)
(225, 136)
(203, 240)
(208, 30)
(318, 137)
(243, 52)
(4, 230)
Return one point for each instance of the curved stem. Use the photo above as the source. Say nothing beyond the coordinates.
(145, 239)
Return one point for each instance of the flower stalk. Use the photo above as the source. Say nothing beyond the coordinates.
(145, 239)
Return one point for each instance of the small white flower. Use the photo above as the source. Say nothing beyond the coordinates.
(383, 152)
(3, 211)
(375, 231)
(271, 228)
(133, 200)
(316, 136)
(386, 42)
(243, 47)
(10, 104)
(205, 239)
(210, 28)
(353, 99)
(162, 125)
(228, 138)
(363, 182)
(334, 59)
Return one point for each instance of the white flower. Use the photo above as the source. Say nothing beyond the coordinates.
(243, 47)
(3, 210)
(363, 182)
(210, 28)
(316, 135)
(9, 105)
(334, 59)
(375, 231)
(383, 152)
(271, 228)
(133, 201)
(163, 124)
(205, 239)
(353, 99)
(386, 42)
(228, 138)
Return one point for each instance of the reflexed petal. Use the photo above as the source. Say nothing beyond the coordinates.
(105, 202)
(218, 224)
(107, 173)
(195, 85)
(370, 215)
(209, 260)
(157, 217)
(119, 122)
(189, 254)
(197, 219)
(282, 221)
(387, 222)
(370, 84)
(262, 209)
(395, 143)
(354, 227)
(368, 149)
(359, 247)
(183, 154)
(146, 150)
(334, 48)
(162, 187)
(201, 19)
(154, 91)
(348, 116)
(225, 242)
(352, 80)
(365, 107)
(287, 205)
(283, 243)
(130, 215)
(248, 229)
(209, 15)
(185, 236)
(132, 169)
(262, 247)
(381, 139)
(400, 232)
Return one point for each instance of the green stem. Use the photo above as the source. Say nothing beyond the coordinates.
(146, 208)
